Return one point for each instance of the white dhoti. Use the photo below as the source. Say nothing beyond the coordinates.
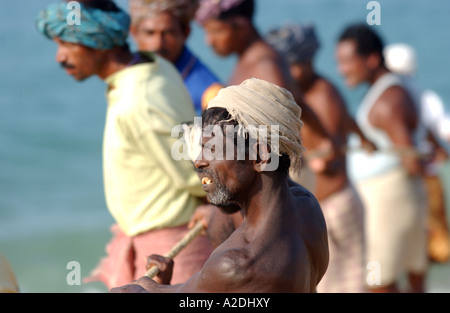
(395, 221)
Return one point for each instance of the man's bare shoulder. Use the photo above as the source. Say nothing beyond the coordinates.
(258, 51)
(261, 57)
(300, 193)
(227, 269)
(394, 104)
(261, 61)
(309, 207)
(324, 94)
(313, 228)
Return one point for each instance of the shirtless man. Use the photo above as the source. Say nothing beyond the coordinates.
(340, 203)
(281, 246)
(230, 30)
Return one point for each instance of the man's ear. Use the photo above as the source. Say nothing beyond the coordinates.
(373, 61)
(133, 30)
(263, 157)
(187, 31)
(239, 22)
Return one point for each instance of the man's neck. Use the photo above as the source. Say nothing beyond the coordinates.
(309, 78)
(270, 195)
(248, 40)
(117, 59)
(377, 74)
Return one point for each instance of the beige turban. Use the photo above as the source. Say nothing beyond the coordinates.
(256, 102)
(181, 9)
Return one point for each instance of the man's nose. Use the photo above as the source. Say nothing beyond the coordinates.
(342, 68)
(159, 42)
(209, 39)
(60, 55)
(200, 162)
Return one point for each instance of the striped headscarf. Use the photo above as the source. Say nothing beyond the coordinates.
(94, 28)
(296, 42)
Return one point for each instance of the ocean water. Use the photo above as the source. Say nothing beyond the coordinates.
(52, 208)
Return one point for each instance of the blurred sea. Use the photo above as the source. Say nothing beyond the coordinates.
(52, 208)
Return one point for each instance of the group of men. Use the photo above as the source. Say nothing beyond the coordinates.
(265, 231)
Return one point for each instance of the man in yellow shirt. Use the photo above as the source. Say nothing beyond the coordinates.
(150, 195)
(163, 27)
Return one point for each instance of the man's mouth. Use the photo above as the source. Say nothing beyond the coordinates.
(67, 66)
(206, 181)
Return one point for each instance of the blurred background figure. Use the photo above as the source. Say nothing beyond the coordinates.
(401, 59)
(8, 281)
(388, 180)
(341, 205)
(163, 27)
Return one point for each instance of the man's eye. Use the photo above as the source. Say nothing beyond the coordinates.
(169, 32)
(209, 149)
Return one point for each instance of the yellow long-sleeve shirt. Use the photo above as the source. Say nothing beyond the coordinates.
(145, 187)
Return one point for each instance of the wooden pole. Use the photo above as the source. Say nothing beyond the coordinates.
(186, 240)
(401, 151)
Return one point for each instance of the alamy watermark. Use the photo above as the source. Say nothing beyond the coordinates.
(73, 278)
(374, 16)
(74, 16)
(262, 142)
(373, 277)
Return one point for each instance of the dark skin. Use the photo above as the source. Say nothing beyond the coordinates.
(218, 224)
(281, 245)
(394, 113)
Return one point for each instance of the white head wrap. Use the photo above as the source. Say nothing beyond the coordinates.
(256, 102)
(400, 58)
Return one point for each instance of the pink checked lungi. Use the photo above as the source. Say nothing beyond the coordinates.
(127, 256)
